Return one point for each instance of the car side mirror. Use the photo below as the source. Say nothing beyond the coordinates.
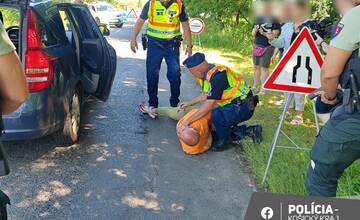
(104, 29)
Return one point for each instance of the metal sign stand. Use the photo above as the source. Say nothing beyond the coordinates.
(279, 130)
(199, 40)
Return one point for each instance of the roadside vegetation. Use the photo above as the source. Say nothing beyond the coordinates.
(228, 33)
(11, 17)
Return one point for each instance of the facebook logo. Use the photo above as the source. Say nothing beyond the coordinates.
(267, 213)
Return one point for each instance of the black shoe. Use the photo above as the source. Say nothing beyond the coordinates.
(255, 132)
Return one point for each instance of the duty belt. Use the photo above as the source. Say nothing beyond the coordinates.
(176, 41)
(251, 100)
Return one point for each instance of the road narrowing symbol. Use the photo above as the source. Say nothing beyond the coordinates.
(299, 69)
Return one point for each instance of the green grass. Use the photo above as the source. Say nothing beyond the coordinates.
(225, 39)
(289, 167)
(11, 17)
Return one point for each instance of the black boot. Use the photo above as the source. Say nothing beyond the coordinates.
(255, 132)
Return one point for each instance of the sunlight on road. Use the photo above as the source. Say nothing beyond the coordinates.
(147, 202)
(54, 190)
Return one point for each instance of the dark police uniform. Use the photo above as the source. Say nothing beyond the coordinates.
(160, 48)
(338, 144)
(226, 118)
(234, 100)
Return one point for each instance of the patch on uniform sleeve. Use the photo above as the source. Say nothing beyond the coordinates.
(338, 29)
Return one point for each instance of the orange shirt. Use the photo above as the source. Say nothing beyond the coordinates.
(202, 126)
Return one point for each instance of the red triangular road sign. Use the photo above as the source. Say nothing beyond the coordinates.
(299, 69)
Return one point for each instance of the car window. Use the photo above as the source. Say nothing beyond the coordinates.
(67, 25)
(10, 17)
(101, 8)
(46, 37)
(81, 21)
(111, 8)
(48, 22)
(105, 8)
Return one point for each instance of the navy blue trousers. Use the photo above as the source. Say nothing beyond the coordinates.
(155, 55)
(227, 121)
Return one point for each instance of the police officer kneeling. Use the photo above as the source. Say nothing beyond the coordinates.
(338, 144)
(229, 99)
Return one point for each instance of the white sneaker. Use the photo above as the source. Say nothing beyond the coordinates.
(149, 110)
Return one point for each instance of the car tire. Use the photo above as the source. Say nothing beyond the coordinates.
(120, 25)
(70, 132)
(3, 212)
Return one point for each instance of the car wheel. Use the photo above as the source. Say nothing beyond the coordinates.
(3, 212)
(70, 133)
(120, 25)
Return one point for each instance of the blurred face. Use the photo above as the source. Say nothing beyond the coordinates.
(297, 12)
(267, 10)
(286, 11)
(263, 9)
(281, 11)
(344, 6)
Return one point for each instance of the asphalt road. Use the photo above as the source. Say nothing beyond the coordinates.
(125, 165)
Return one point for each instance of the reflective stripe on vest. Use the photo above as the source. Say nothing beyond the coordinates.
(238, 87)
(164, 22)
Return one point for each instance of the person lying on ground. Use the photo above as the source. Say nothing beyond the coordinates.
(194, 139)
(227, 97)
(175, 113)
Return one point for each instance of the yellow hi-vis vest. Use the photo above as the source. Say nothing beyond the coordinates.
(238, 87)
(164, 23)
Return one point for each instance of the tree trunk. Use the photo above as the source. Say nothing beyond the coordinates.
(238, 17)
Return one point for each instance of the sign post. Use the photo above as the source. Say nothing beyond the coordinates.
(197, 27)
(297, 72)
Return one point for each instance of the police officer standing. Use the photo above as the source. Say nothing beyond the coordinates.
(164, 40)
(338, 144)
(229, 99)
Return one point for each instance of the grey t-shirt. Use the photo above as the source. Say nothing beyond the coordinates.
(6, 46)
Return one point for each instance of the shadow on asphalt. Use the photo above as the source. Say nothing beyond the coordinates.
(22, 152)
(106, 170)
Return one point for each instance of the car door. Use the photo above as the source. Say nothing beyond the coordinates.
(96, 57)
